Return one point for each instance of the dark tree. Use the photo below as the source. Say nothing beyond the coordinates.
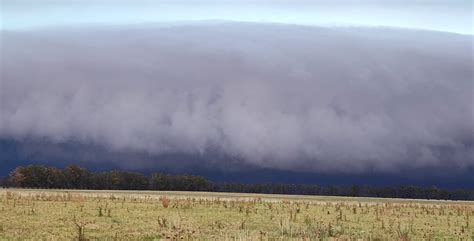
(75, 177)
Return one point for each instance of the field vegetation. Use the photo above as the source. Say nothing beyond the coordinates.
(154, 215)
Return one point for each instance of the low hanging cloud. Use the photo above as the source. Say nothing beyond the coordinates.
(275, 96)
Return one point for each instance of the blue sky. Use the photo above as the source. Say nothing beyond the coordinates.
(442, 15)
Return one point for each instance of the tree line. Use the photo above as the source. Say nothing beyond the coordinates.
(76, 177)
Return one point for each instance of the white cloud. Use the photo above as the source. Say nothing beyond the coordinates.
(278, 96)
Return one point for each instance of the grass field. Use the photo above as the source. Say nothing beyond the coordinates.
(150, 215)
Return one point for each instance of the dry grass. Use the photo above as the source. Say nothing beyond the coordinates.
(122, 215)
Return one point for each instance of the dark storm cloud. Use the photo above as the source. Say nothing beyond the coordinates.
(276, 96)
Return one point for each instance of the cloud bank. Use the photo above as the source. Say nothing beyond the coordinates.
(275, 96)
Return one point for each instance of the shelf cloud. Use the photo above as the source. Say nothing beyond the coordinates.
(272, 95)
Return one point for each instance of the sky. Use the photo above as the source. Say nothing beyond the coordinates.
(301, 86)
(441, 15)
